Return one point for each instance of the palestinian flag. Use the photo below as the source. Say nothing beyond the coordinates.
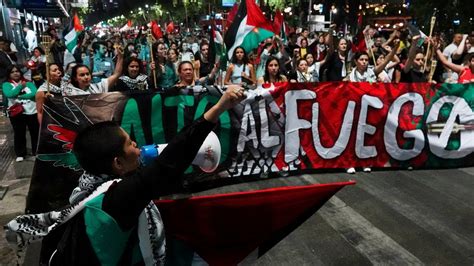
(249, 27)
(277, 21)
(231, 15)
(216, 47)
(225, 228)
(71, 32)
(284, 33)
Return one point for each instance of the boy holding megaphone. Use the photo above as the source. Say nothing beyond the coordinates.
(112, 219)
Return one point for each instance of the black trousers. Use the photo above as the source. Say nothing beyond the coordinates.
(19, 124)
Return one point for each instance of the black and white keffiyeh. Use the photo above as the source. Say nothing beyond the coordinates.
(138, 83)
(53, 88)
(26, 229)
(367, 76)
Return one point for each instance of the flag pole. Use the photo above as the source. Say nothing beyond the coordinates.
(224, 20)
(46, 42)
(368, 43)
(432, 24)
(152, 59)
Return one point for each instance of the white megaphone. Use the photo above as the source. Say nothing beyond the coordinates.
(207, 157)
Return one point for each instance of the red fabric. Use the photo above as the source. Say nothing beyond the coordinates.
(359, 20)
(225, 228)
(359, 45)
(466, 76)
(277, 22)
(129, 23)
(77, 23)
(170, 27)
(335, 96)
(232, 14)
(156, 30)
(256, 18)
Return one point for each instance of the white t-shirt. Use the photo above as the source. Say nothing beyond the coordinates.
(449, 50)
(450, 76)
(31, 40)
(29, 106)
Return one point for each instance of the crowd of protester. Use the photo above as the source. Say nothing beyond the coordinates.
(121, 61)
(132, 61)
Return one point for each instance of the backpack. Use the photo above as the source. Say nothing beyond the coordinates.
(61, 245)
(68, 244)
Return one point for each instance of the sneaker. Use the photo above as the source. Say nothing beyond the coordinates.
(19, 159)
(351, 170)
(367, 169)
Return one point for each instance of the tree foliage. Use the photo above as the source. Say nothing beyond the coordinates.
(447, 13)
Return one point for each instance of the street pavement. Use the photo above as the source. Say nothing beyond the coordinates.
(390, 217)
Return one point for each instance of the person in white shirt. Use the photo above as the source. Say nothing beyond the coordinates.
(450, 49)
(81, 79)
(451, 77)
(30, 38)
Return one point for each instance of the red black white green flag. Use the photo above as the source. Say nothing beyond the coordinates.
(249, 27)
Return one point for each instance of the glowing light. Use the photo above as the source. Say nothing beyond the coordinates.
(376, 9)
(400, 24)
(399, 11)
(287, 10)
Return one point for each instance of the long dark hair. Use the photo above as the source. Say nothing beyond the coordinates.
(10, 69)
(266, 76)
(74, 74)
(245, 59)
(39, 50)
(154, 47)
(127, 62)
